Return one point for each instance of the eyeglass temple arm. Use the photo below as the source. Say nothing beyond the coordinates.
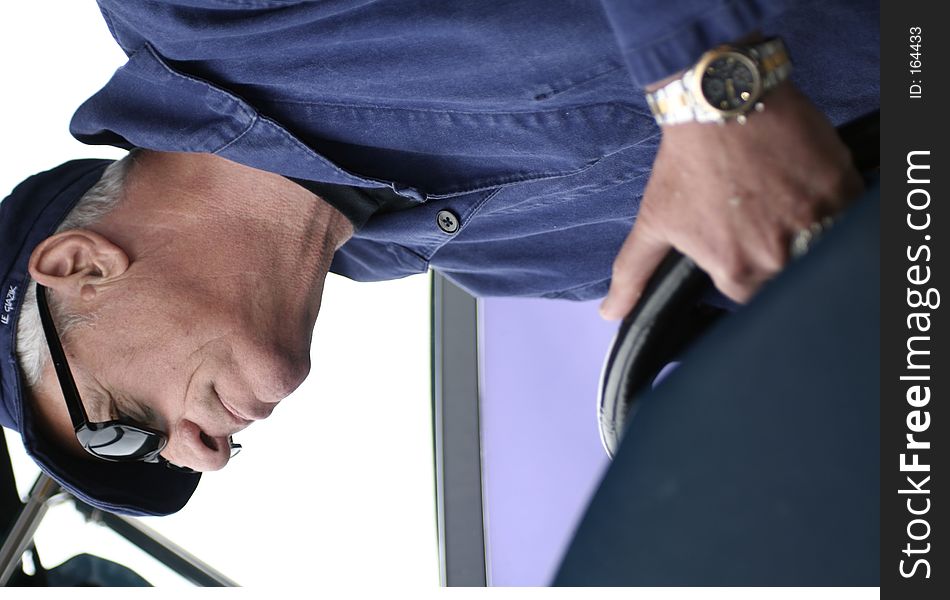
(77, 413)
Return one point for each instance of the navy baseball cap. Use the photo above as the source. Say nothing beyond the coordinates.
(30, 214)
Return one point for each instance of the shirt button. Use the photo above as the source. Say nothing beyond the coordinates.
(448, 222)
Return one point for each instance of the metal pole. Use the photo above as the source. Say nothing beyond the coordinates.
(160, 548)
(459, 505)
(21, 534)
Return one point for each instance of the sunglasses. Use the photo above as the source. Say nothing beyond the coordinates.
(117, 440)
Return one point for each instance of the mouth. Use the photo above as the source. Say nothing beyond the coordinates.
(240, 418)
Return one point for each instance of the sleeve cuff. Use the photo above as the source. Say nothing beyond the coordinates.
(657, 41)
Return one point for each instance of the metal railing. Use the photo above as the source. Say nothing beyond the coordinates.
(46, 492)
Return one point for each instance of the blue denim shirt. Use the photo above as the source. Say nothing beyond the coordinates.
(524, 119)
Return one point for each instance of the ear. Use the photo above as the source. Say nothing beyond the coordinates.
(77, 262)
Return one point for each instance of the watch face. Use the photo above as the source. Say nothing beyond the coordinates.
(730, 82)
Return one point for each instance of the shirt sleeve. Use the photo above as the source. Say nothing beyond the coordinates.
(134, 22)
(660, 37)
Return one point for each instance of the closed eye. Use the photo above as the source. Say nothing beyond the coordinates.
(127, 409)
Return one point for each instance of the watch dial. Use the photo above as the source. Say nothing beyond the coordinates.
(728, 83)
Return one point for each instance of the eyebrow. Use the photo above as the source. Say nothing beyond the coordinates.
(95, 403)
(106, 403)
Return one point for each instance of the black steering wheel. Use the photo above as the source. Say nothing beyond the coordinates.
(669, 316)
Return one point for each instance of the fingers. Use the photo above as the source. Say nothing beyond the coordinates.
(746, 259)
(639, 257)
(739, 286)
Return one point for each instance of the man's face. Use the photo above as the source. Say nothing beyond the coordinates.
(195, 364)
(199, 301)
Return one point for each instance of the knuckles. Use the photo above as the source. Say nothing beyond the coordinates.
(735, 267)
(775, 253)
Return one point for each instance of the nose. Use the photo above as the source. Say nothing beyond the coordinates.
(189, 446)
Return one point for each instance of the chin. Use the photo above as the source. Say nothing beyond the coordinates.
(285, 374)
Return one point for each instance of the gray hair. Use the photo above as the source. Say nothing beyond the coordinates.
(95, 204)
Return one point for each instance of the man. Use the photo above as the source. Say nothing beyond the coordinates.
(508, 145)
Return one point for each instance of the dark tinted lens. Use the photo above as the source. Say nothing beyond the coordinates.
(121, 442)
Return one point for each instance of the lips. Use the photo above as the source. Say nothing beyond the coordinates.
(242, 420)
(256, 412)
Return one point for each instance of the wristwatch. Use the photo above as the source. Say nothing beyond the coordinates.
(727, 83)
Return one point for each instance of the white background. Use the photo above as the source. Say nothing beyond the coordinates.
(337, 487)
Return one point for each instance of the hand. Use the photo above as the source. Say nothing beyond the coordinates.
(732, 197)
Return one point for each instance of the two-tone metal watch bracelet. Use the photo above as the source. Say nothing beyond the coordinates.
(758, 68)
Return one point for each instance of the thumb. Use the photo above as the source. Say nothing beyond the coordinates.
(639, 257)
